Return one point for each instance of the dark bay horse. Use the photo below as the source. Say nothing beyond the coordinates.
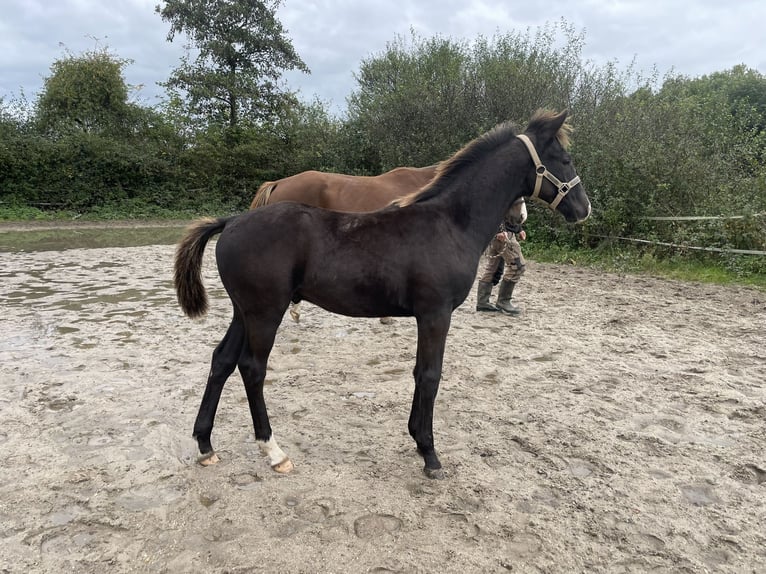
(341, 192)
(371, 265)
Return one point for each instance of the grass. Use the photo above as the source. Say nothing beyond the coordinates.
(724, 270)
(136, 210)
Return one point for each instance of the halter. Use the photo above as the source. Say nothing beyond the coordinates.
(542, 172)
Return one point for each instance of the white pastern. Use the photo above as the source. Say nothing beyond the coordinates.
(271, 449)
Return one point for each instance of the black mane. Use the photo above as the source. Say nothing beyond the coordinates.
(448, 169)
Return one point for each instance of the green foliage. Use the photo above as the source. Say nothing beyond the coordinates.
(52, 161)
(308, 139)
(23, 212)
(690, 148)
(226, 166)
(423, 100)
(644, 148)
(407, 102)
(85, 93)
(79, 171)
(241, 51)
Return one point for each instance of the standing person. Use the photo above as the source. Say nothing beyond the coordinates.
(504, 247)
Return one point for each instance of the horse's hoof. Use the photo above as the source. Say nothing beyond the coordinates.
(386, 320)
(434, 473)
(208, 459)
(283, 467)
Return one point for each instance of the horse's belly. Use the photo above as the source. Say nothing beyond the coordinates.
(357, 304)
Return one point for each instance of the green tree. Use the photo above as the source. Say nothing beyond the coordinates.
(241, 52)
(85, 93)
(685, 147)
(86, 145)
(740, 86)
(421, 100)
(410, 100)
(308, 138)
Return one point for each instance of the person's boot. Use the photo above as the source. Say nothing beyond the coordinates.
(504, 295)
(482, 298)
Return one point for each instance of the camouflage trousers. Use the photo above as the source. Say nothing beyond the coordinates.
(508, 251)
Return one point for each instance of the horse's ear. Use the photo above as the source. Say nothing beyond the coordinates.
(546, 124)
(560, 119)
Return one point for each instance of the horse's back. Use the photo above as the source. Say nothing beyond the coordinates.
(371, 193)
(347, 193)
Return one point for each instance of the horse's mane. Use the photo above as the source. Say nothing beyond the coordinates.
(448, 168)
(482, 145)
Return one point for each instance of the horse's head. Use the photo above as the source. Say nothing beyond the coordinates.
(554, 180)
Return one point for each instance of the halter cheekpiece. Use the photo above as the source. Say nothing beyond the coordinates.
(542, 172)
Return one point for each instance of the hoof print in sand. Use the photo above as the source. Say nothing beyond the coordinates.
(375, 525)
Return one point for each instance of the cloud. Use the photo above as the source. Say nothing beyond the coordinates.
(693, 37)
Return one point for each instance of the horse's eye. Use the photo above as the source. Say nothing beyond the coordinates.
(567, 159)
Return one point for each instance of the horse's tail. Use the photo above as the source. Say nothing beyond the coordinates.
(263, 194)
(187, 276)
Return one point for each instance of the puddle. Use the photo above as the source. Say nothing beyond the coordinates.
(90, 237)
(86, 282)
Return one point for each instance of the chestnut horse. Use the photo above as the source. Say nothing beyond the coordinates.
(371, 265)
(341, 192)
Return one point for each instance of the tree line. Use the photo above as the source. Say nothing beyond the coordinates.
(644, 147)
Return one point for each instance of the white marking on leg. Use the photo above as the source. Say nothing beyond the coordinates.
(277, 458)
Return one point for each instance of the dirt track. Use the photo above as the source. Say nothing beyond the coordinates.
(618, 426)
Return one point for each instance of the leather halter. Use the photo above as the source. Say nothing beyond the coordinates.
(542, 172)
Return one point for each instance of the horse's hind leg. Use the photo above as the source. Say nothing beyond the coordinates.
(252, 366)
(222, 365)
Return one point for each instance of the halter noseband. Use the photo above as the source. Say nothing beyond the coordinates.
(542, 172)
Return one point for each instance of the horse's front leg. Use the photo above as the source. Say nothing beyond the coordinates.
(432, 335)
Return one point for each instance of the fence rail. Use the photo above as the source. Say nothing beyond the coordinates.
(700, 217)
(681, 246)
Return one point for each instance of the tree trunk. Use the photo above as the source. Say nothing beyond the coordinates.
(233, 112)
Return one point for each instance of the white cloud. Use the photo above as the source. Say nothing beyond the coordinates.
(333, 36)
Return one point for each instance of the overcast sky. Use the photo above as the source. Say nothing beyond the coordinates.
(690, 37)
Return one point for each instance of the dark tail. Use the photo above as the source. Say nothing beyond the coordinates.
(187, 276)
(263, 194)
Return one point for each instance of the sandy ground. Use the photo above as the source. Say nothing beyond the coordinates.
(617, 426)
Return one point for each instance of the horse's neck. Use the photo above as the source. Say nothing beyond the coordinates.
(482, 194)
